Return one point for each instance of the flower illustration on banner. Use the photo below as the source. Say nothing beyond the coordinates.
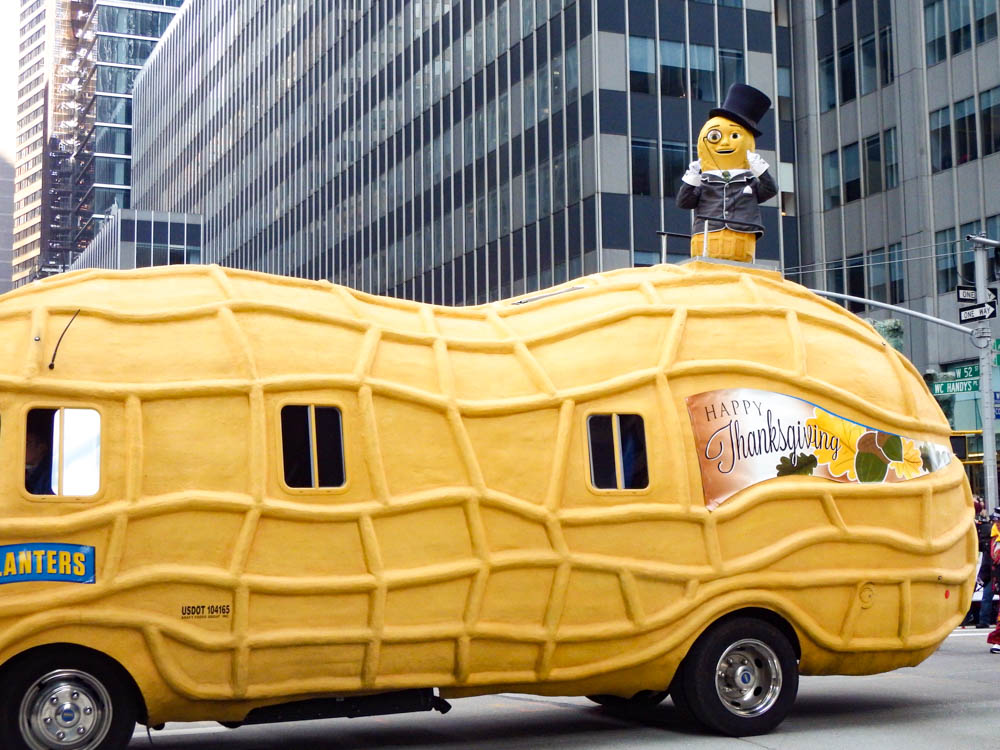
(912, 464)
(839, 461)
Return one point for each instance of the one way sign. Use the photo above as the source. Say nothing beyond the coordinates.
(967, 293)
(977, 312)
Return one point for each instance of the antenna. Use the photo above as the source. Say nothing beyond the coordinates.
(52, 364)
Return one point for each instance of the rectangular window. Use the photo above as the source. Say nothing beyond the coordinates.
(644, 167)
(873, 165)
(672, 69)
(617, 452)
(703, 72)
(62, 452)
(986, 20)
(784, 93)
(940, 139)
(967, 259)
(935, 32)
(869, 65)
(730, 68)
(886, 64)
(965, 130)
(312, 444)
(835, 277)
(674, 165)
(642, 65)
(960, 25)
(852, 172)
(827, 84)
(856, 281)
(878, 288)
(848, 84)
(891, 165)
(944, 253)
(831, 180)
(989, 106)
(897, 287)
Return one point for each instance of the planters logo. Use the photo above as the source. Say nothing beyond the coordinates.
(46, 562)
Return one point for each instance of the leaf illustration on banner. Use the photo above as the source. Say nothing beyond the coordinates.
(912, 463)
(804, 464)
(841, 460)
(870, 463)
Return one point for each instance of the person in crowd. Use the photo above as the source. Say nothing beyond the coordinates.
(983, 526)
(994, 637)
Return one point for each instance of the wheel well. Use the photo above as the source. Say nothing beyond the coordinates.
(68, 651)
(768, 616)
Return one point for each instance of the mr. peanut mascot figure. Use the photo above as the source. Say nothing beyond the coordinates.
(729, 179)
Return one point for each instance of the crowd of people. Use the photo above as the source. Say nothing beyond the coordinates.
(988, 529)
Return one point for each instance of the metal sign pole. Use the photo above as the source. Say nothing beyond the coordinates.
(983, 338)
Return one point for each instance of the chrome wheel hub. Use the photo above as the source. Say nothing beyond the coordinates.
(748, 678)
(65, 710)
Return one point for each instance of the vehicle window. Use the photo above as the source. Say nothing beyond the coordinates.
(62, 452)
(312, 444)
(617, 452)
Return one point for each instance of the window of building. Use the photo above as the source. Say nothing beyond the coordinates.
(730, 68)
(965, 130)
(312, 445)
(986, 20)
(617, 452)
(960, 25)
(944, 254)
(827, 84)
(935, 32)
(891, 164)
(940, 139)
(703, 72)
(851, 162)
(644, 167)
(989, 105)
(873, 165)
(672, 69)
(967, 255)
(878, 288)
(642, 65)
(674, 165)
(823, 7)
(856, 281)
(886, 64)
(784, 93)
(869, 65)
(831, 180)
(62, 452)
(848, 84)
(835, 276)
(897, 275)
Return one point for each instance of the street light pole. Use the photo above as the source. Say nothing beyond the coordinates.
(983, 337)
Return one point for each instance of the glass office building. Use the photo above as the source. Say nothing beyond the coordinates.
(130, 239)
(453, 153)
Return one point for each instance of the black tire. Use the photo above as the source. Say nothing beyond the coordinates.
(644, 699)
(741, 677)
(79, 693)
(679, 697)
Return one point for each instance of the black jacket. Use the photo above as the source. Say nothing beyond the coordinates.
(737, 198)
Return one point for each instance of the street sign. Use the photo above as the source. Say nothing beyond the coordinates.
(955, 386)
(968, 293)
(977, 312)
(966, 371)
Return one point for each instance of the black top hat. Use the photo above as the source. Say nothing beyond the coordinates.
(745, 105)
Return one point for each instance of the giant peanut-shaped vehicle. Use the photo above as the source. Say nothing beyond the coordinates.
(248, 498)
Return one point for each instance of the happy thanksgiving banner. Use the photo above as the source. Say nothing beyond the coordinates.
(746, 436)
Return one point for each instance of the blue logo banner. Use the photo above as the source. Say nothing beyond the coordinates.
(46, 562)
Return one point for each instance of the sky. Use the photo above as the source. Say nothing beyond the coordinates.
(8, 76)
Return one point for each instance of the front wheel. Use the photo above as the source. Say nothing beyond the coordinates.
(66, 700)
(741, 677)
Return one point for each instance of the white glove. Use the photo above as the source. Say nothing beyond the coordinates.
(693, 175)
(757, 164)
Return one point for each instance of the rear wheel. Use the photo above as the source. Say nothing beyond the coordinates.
(741, 677)
(66, 700)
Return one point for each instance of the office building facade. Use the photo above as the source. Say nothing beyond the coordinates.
(900, 112)
(129, 239)
(77, 61)
(454, 153)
